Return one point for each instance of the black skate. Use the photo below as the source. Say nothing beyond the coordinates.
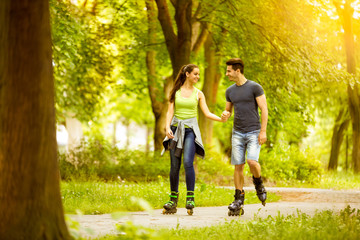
(236, 208)
(190, 202)
(260, 189)
(170, 206)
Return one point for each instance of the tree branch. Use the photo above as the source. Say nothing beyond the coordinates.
(201, 38)
(166, 25)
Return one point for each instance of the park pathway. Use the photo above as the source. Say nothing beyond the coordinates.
(292, 200)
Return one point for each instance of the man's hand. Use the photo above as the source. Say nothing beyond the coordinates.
(225, 115)
(262, 137)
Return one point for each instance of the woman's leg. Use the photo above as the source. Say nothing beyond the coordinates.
(189, 154)
(174, 169)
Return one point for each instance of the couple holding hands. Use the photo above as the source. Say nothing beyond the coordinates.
(183, 135)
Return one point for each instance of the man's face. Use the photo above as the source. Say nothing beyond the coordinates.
(231, 74)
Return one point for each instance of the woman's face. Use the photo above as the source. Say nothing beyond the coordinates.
(194, 76)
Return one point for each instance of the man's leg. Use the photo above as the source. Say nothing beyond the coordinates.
(255, 168)
(239, 176)
(253, 152)
(238, 160)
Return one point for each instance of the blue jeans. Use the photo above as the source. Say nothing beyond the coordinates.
(188, 156)
(245, 145)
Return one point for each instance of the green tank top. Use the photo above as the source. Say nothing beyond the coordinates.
(186, 107)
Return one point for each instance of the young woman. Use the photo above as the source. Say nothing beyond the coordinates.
(183, 134)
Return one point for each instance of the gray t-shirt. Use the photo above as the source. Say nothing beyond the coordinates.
(246, 114)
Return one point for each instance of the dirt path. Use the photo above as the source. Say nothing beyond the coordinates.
(292, 199)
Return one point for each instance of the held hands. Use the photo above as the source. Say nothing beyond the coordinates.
(225, 116)
(169, 133)
(262, 137)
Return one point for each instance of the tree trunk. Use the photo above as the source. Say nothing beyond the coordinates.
(158, 98)
(210, 88)
(30, 201)
(178, 45)
(341, 124)
(354, 102)
(353, 89)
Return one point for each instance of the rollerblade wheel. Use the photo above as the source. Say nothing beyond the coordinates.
(170, 211)
(242, 212)
(263, 203)
(190, 212)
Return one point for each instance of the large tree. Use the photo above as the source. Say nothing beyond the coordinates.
(346, 12)
(30, 201)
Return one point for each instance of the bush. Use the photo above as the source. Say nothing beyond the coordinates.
(286, 162)
(98, 159)
(214, 169)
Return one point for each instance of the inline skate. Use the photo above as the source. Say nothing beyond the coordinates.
(236, 208)
(170, 206)
(190, 202)
(260, 189)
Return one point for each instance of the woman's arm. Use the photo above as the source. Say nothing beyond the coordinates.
(206, 110)
(169, 116)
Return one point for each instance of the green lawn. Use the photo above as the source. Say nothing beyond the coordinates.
(328, 180)
(100, 197)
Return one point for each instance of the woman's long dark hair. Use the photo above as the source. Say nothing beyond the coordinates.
(180, 79)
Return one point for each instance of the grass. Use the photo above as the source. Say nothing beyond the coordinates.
(100, 197)
(323, 225)
(328, 180)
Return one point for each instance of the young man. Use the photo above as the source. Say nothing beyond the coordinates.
(248, 134)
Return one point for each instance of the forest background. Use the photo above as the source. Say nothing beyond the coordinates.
(115, 61)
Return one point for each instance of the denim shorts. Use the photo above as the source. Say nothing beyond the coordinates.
(245, 143)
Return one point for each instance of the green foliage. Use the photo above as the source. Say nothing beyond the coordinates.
(286, 162)
(98, 159)
(129, 231)
(214, 169)
(82, 63)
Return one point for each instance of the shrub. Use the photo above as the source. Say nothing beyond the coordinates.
(98, 159)
(286, 162)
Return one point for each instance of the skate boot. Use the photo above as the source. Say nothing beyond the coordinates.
(190, 202)
(236, 208)
(260, 189)
(170, 206)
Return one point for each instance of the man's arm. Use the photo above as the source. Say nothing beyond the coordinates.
(261, 101)
(228, 110)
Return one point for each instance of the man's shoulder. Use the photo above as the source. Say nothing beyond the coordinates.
(254, 85)
(251, 82)
(231, 87)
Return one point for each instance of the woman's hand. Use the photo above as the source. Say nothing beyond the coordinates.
(225, 115)
(169, 133)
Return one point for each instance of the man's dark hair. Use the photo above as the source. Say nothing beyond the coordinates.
(236, 64)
